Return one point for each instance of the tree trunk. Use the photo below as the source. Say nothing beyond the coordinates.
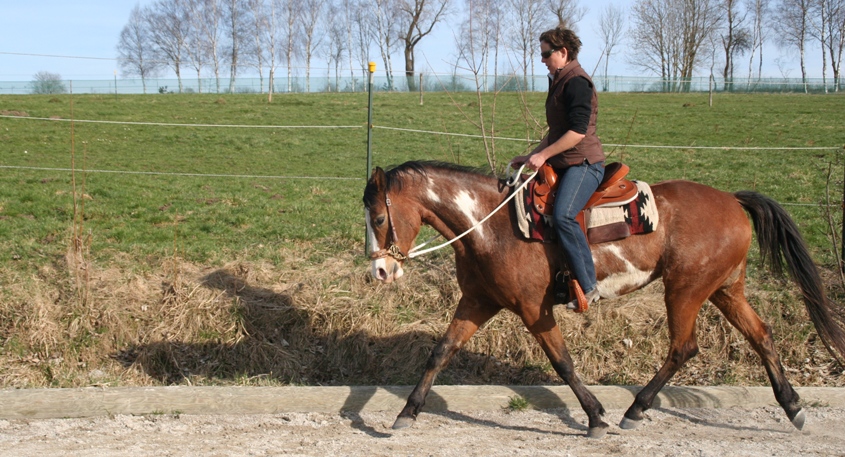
(409, 68)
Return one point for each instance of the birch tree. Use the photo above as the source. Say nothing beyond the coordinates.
(386, 34)
(135, 47)
(291, 12)
(734, 38)
(526, 19)
(759, 11)
(312, 14)
(234, 12)
(792, 18)
(169, 28)
(611, 29)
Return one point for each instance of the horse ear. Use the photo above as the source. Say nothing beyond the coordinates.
(378, 178)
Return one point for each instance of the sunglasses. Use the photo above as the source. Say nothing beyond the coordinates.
(547, 54)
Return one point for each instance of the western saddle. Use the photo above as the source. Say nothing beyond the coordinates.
(613, 189)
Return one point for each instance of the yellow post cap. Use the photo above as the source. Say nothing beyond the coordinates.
(372, 67)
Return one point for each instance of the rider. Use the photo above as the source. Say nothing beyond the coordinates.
(572, 148)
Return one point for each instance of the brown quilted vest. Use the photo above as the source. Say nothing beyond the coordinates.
(558, 119)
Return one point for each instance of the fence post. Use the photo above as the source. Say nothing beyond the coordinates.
(421, 88)
(371, 67)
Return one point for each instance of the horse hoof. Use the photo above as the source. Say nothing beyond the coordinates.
(597, 432)
(629, 424)
(798, 420)
(403, 422)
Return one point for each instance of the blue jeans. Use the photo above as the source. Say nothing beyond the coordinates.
(575, 186)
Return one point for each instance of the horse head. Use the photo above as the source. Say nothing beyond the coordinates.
(392, 224)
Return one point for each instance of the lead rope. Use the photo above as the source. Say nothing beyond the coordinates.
(511, 181)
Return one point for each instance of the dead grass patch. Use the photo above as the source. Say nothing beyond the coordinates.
(324, 322)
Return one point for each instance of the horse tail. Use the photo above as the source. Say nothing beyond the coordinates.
(780, 241)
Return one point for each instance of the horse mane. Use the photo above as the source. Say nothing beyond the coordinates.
(396, 176)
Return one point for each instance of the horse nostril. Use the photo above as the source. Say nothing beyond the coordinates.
(381, 274)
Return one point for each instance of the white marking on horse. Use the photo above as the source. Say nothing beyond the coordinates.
(469, 207)
(432, 195)
(630, 278)
(380, 264)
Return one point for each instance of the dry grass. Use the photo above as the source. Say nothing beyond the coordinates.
(325, 322)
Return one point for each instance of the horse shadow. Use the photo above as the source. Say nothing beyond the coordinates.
(280, 342)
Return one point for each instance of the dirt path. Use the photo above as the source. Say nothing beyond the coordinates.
(666, 431)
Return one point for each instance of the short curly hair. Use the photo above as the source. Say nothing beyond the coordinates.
(560, 38)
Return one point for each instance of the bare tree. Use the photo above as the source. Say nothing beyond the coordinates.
(670, 34)
(135, 47)
(386, 34)
(567, 12)
(363, 33)
(196, 46)
(479, 33)
(235, 14)
(257, 38)
(336, 47)
(312, 14)
(611, 28)
(829, 30)
(759, 10)
(169, 27)
(526, 19)
(211, 16)
(273, 37)
(291, 12)
(45, 82)
(348, 26)
(792, 20)
(417, 19)
(735, 38)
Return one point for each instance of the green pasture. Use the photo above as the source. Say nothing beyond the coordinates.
(259, 188)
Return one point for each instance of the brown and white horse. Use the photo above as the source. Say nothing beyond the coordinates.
(699, 249)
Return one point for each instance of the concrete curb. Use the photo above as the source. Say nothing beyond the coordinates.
(92, 401)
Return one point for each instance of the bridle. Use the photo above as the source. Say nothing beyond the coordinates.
(394, 251)
(392, 248)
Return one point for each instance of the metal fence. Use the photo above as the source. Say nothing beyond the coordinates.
(428, 82)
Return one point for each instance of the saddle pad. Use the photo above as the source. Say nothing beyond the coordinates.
(640, 215)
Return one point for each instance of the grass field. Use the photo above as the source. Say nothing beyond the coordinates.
(184, 272)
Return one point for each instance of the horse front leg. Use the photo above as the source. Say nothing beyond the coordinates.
(546, 331)
(469, 316)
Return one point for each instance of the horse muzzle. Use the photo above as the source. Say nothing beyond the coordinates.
(387, 269)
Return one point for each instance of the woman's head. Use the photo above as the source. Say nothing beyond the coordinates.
(560, 38)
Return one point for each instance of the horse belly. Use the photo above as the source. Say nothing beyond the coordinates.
(621, 270)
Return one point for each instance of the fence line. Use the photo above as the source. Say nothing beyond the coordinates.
(164, 124)
(202, 175)
(431, 132)
(162, 173)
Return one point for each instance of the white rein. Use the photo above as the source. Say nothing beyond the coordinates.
(511, 181)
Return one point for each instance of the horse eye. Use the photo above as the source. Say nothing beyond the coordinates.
(380, 220)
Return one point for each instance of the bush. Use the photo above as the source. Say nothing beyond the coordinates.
(48, 83)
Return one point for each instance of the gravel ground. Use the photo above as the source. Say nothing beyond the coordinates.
(665, 432)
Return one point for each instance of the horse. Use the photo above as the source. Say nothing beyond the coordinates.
(699, 249)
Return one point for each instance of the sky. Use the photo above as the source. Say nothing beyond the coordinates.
(90, 28)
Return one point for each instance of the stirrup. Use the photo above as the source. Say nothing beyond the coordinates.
(580, 302)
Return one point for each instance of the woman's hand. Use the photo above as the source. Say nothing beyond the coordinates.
(535, 161)
(519, 160)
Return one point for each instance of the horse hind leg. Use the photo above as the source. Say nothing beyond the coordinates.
(469, 316)
(732, 303)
